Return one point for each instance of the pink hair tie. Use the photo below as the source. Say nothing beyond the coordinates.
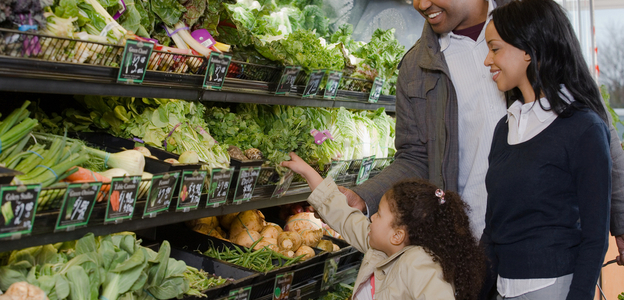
(440, 194)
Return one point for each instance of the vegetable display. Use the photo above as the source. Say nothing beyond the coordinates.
(260, 260)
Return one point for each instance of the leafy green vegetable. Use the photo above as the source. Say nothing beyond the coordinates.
(169, 11)
(383, 54)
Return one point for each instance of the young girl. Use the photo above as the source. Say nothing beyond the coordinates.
(549, 177)
(417, 246)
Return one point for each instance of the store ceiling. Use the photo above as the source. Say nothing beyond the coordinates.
(608, 4)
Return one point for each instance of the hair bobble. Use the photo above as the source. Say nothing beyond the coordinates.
(440, 194)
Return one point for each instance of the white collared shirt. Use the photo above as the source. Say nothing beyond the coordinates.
(481, 105)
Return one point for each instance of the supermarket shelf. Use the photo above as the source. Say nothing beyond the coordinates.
(44, 222)
(31, 75)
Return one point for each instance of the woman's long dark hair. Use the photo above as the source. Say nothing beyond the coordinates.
(442, 230)
(541, 29)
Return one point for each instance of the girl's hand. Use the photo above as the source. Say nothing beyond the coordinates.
(297, 165)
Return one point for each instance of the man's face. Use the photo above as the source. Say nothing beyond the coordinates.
(447, 15)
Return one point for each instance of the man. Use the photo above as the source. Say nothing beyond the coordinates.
(447, 108)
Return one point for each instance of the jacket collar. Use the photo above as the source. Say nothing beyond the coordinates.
(387, 263)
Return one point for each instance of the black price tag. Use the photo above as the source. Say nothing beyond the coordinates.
(77, 205)
(283, 184)
(122, 198)
(329, 273)
(220, 182)
(365, 169)
(331, 88)
(247, 179)
(136, 56)
(218, 65)
(314, 82)
(19, 206)
(376, 90)
(287, 80)
(191, 189)
(160, 193)
(240, 294)
(281, 289)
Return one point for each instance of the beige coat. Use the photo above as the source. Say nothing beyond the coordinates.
(409, 274)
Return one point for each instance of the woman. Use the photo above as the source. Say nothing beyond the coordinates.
(549, 178)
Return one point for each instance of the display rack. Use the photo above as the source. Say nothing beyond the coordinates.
(35, 75)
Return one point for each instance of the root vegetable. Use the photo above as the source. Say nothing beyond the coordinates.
(246, 238)
(328, 231)
(311, 238)
(309, 252)
(226, 220)
(270, 232)
(287, 253)
(171, 161)
(269, 243)
(25, 291)
(301, 221)
(325, 245)
(221, 232)
(247, 220)
(212, 222)
(336, 247)
(289, 240)
(143, 151)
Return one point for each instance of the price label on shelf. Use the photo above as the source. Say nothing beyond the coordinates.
(77, 205)
(287, 80)
(160, 193)
(122, 198)
(220, 182)
(314, 82)
(133, 66)
(240, 294)
(247, 179)
(19, 206)
(281, 289)
(365, 169)
(329, 273)
(191, 188)
(283, 184)
(331, 88)
(376, 90)
(218, 65)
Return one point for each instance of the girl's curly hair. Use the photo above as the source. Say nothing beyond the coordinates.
(443, 230)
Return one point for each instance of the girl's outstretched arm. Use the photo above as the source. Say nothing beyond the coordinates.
(302, 168)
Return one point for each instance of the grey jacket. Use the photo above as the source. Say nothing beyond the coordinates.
(427, 134)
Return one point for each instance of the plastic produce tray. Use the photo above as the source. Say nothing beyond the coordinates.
(249, 71)
(34, 45)
(182, 237)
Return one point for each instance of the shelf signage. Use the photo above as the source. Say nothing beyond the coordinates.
(240, 294)
(134, 61)
(191, 188)
(218, 65)
(331, 88)
(160, 193)
(281, 289)
(122, 198)
(365, 169)
(314, 82)
(376, 90)
(247, 179)
(287, 80)
(220, 182)
(77, 205)
(19, 206)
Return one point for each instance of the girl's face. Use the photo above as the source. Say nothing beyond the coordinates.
(382, 235)
(508, 64)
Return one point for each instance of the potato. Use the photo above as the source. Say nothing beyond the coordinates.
(310, 237)
(289, 240)
(269, 243)
(270, 232)
(325, 245)
(226, 220)
(247, 220)
(301, 221)
(246, 238)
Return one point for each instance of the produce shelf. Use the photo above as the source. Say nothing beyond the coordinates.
(39, 76)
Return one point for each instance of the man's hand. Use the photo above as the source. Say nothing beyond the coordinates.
(356, 201)
(619, 241)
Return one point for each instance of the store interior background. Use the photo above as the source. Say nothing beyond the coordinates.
(605, 16)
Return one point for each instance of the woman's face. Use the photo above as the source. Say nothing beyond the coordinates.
(508, 64)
